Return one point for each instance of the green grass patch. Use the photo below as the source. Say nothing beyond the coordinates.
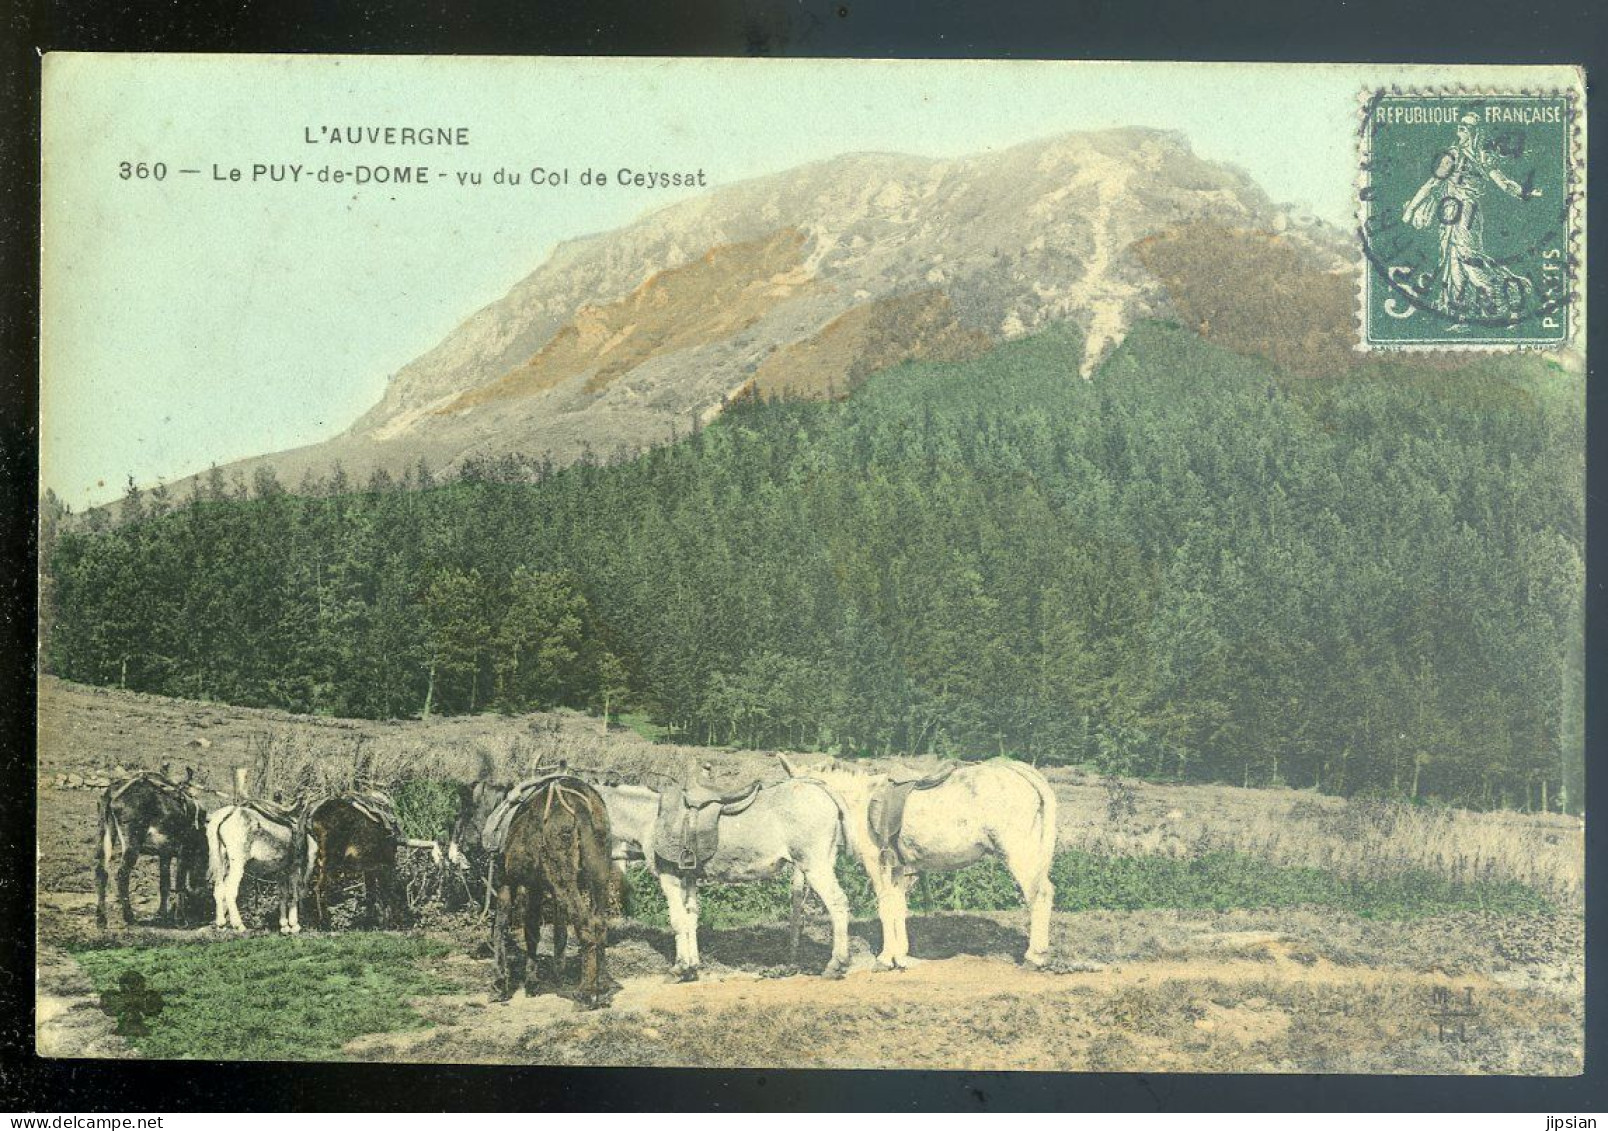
(1218, 881)
(1221, 881)
(643, 724)
(269, 997)
(427, 807)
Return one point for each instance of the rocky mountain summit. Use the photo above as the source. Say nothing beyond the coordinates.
(811, 280)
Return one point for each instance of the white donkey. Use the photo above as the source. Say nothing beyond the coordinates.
(255, 836)
(789, 823)
(997, 808)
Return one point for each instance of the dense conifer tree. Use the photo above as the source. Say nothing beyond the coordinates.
(1367, 582)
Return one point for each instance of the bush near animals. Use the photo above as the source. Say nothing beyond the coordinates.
(426, 807)
(1194, 567)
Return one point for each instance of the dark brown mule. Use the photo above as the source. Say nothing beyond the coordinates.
(555, 853)
(149, 814)
(355, 834)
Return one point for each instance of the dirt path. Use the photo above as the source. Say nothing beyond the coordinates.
(68, 1019)
(1280, 1011)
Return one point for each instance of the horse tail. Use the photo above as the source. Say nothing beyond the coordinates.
(112, 838)
(609, 890)
(840, 832)
(302, 855)
(217, 851)
(575, 853)
(1043, 817)
(598, 879)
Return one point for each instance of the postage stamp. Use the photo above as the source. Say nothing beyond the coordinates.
(1466, 205)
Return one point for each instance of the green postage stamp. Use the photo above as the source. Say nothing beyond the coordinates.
(1466, 204)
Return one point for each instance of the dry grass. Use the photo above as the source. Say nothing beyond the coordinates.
(1364, 838)
(94, 730)
(1361, 839)
(289, 760)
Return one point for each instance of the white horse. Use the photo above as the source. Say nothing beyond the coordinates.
(997, 808)
(245, 836)
(790, 823)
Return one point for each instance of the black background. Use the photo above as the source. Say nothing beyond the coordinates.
(1466, 31)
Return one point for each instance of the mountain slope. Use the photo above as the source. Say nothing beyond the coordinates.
(809, 281)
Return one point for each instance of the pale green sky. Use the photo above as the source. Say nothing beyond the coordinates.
(191, 321)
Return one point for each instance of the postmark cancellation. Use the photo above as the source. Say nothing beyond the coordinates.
(1468, 210)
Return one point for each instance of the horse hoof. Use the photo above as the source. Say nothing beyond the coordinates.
(683, 974)
(834, 971)
(1035, 961)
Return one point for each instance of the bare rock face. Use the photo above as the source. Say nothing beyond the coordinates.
(810, 281)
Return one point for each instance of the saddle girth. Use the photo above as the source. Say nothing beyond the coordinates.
(885, 813)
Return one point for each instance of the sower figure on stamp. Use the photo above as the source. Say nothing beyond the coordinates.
(1471, 283)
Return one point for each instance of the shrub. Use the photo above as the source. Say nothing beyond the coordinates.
(427, 807)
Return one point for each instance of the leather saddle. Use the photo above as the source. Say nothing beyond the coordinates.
(495, 830)
(376, 806)
(181, 793)
(885, 814)
(278, 813)
(379, 808)
(686, 833)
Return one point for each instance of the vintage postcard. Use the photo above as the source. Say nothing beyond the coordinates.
(967, 565)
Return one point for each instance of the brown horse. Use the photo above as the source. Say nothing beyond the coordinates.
(355, 834)
(149, 814)
(551, 846)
